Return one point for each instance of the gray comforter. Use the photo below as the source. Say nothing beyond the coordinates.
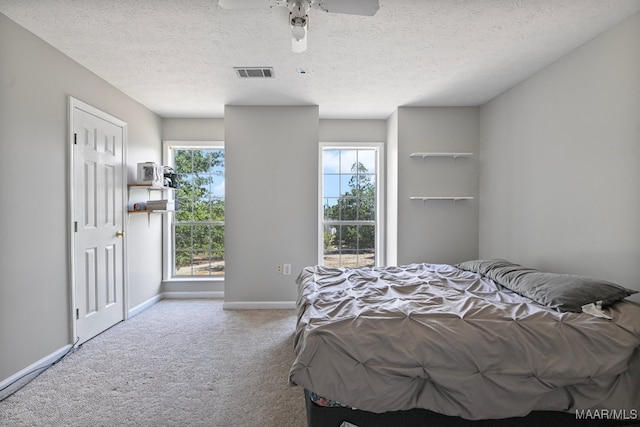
(436, 337)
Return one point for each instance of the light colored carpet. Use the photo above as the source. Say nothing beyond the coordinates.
(179, 363)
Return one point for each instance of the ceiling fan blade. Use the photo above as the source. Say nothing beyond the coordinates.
(250, 4)
(351, 7)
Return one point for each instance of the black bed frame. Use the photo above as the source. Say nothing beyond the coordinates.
(320, 416)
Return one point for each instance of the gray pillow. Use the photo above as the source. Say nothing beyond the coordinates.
(483, 266)
(563, 292)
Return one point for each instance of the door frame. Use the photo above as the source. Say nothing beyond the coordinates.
(74, 103)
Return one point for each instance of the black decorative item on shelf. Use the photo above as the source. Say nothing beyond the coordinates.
(170, 178)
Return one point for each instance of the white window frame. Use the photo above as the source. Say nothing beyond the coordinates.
(167, 235)
(380, 199)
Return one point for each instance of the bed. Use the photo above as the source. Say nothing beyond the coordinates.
(485, 342)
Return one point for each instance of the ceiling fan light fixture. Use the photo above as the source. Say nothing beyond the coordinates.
(297, 29)
(298, 46)
(299, 9)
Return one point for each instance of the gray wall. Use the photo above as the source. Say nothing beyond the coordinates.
(35, 82)
(271, 200)
(352, 130)
(436, 231)
(391, 190)
(560, 163)
(204, 129)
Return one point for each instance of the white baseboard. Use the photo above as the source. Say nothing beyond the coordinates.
(194, 295)
(143, 306)
(20, 379)
(259, 305)
(174, 295)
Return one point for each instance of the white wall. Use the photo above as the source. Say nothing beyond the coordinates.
(35, 82)
(560, 163)
(436, 231)
(271, 200)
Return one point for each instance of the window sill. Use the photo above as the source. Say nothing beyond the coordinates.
(211, 288)
(193, 279)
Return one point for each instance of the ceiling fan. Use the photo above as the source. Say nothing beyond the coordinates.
(298, 12)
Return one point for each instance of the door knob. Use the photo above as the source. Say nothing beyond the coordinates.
(119, 233)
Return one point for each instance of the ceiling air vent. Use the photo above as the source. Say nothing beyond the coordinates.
(260, 72)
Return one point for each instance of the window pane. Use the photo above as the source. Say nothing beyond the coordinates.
(331, 185)
(348, 159)
(331, 211)
(201, 263)
(348, 207)
(366, 239)
(184, 211)
(216, 209)
(217, 187)
(182, 237)
(368, 159)
(348, 183)
(182, 161)
(201, 240)
(349, 246)
(184, 263)
(217, 245)
(199, 250)
(330, 236)
(331, 161)
(348, 242)
(367, 209)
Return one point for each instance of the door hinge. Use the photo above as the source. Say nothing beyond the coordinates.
(75, 226)
(77, 314)
(75, 138)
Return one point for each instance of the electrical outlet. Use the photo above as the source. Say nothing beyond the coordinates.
(286, 269)
(279, 268)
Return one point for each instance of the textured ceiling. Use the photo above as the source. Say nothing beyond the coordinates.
(177, 56)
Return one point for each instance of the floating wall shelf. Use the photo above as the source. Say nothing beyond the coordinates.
(452, 198)
(423, 198)
(451, 155)
(149, 189)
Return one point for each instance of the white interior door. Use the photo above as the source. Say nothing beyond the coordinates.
(98, 247)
